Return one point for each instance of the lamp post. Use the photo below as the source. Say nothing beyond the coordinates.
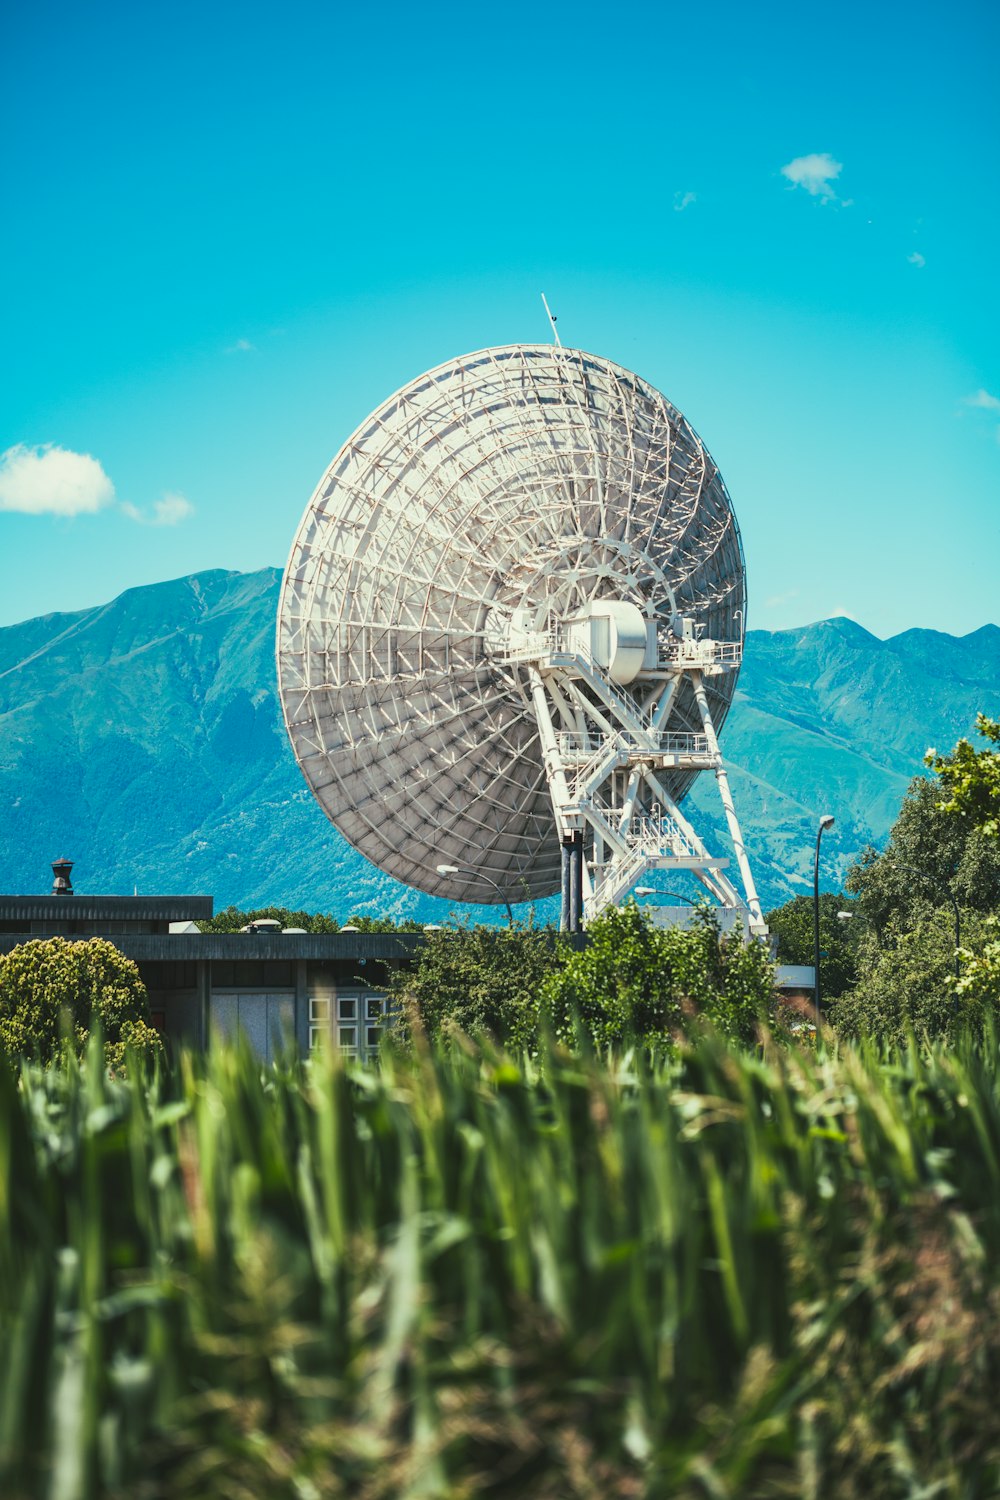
(929, 880)
(824, 823)
(454, 870)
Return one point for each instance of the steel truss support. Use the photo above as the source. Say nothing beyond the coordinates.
(605, 751)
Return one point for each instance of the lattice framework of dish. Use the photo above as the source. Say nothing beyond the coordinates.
(524, 480)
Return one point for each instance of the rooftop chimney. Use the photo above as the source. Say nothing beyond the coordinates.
(61, 884)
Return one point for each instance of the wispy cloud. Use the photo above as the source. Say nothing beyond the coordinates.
(48, 480)
(683, 201)
(916, 259)
(816, 173)
(984, 400)
(169, 511)
(777, 600)
(242, 346)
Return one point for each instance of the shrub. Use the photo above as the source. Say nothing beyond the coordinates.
(54, 989)
(637, 982)
(486, 981)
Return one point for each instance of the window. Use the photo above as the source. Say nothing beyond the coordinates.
(355, 1018)
(319, 1021)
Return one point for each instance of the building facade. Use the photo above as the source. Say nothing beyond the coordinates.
(270, 984)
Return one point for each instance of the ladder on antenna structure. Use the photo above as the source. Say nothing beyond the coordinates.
(602, 747)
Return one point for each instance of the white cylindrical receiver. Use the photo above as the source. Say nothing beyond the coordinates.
(617, 643)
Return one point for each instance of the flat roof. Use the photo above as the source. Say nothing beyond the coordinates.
(106, 908)
(149, 946)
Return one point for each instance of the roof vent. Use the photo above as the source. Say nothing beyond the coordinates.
(61, 884)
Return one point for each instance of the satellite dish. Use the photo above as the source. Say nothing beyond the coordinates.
(516, 598)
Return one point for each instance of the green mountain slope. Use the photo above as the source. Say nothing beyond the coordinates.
(144, 739)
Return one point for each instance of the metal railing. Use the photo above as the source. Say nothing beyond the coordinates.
(650, 837)
(576, 747)
(671, 652)
(656, 834)
(701, 653)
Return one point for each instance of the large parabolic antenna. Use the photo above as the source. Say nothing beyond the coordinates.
(510, 629)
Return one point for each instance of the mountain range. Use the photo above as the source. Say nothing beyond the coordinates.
(144, 739)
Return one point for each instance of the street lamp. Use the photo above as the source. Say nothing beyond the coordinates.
(929, 880)
(656, 890)
(454, 870)
(824, 823)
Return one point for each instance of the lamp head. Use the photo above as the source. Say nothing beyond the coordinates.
(826, 821)
(447, 869)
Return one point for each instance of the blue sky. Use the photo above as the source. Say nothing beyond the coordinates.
(232, 231)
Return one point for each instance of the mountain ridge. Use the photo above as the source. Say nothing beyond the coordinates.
(144, 737)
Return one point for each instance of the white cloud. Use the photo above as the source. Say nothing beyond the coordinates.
(985, 400)
(166, 512)
(48, 480)
(242, 346)
(52, 481)
(683, 201)
(777, 600)
(816, 173)
(916, 259)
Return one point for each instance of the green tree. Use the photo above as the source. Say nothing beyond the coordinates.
(637, 982)
(930, 856)
(53, 988)
(970, 780)
(792, 925)
(980, 981)
(487, 981)
(940, 860)
(908, 984)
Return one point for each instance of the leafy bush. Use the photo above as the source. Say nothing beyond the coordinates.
(486, 981)
(54, 990)
(637, 982)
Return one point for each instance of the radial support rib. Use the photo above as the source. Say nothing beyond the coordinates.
(726, 797)
(554, 769)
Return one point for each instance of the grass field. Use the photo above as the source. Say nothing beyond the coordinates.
(725, 1274)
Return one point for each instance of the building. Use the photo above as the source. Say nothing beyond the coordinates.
(269, 982)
